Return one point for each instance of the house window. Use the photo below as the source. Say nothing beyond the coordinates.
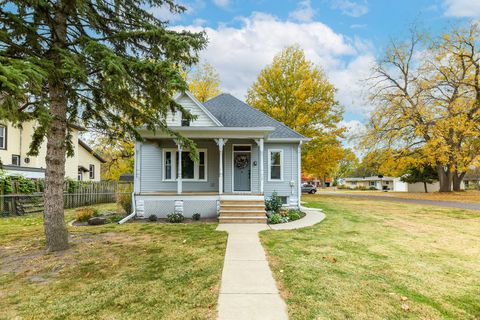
(372, 183)
(185, 122)
(276, 165)
(3, 137)
(387, 182)
(191, 170)
(92, 171)
(15, 160)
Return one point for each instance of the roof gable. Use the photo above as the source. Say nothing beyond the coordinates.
(189, 102)
(232, 112)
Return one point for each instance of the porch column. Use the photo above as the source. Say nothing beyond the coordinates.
(221, 143)
(179, 168)
(260, 146)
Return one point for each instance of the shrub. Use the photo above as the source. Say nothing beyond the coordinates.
(372, 188)
(83, 214)
(275, 218)
(124, 200)
(274, 203)
(294, 214)
(196, 216)
(175, 217)
(360, 188)
(114, 218)
(152, 218)
(342, 187)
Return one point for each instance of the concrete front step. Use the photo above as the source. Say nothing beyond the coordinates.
(243, 219)
(242, 202)
(224, 213)
(242, 207)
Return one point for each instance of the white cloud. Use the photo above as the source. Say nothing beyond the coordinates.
(240, 53)
(351, 8)
(462, 8)
(222, 3)
(304, 12)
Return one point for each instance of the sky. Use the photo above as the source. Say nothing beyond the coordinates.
(344, 37)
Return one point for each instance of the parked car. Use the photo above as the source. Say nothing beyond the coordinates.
(309, 188)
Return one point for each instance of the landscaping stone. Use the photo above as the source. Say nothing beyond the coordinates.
(95, 221)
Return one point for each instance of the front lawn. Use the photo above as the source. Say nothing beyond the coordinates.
(134, 271)
(373, 259)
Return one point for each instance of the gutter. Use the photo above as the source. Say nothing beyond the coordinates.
(131, 215)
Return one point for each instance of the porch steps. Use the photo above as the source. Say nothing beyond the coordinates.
(242, 211)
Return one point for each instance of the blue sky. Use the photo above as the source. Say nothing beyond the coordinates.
(344, 37)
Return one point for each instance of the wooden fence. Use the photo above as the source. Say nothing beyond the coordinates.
(15, 201)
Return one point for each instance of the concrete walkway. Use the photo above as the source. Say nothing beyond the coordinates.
(248, 290)
(313, 216)
(447, 204)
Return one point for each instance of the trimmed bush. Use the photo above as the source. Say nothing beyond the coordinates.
(275, 218)
(294, 214)
(274, 203)
(152, 218)
(124, 200)
(175, 217)
(83, 214)
(196, 216)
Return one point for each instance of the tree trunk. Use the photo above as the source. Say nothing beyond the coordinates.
(457, 180)
(444, 178)
(425, 186)
(56, 234)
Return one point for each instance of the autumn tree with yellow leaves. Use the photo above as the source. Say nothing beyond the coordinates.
(296, 92)
(204, 82)
(427, 96)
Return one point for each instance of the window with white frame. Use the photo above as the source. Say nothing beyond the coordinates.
(191, 170)
(92, 171)
(3, 137)
(15, 159)
(372, 183)
(275, 168)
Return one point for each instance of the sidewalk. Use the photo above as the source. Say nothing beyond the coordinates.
(248, 290)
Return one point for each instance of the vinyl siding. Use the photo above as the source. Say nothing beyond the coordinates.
(151, 168)
(290, 170)
(203, 120)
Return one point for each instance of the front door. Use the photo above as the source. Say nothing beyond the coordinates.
(241, 168)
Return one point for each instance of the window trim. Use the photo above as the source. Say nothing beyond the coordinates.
(91, 173)
(5, 136)
(196, 168)
(19, 160)
(270, 151)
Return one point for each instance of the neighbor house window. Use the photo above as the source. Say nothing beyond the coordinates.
(372, 183)
(191, 170)
(3, 137)
(276, 165)
(92, 171)
(15, 160)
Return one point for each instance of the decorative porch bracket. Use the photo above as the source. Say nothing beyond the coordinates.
(179, 168)
(221, 143)
(260, 146)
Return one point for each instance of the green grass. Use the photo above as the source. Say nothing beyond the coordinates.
(379, 260)
(130, 271)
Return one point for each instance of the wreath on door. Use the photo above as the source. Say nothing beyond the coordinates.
(241, 161)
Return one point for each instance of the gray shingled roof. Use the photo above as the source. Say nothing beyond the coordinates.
(232, 112)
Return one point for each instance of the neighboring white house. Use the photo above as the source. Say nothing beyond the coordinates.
(389, 184)
(14, 146)
(244, 156)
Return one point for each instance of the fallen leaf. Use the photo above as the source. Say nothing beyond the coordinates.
(403, 298)
(405, 307)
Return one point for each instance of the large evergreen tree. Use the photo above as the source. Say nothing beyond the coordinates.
(108, 64)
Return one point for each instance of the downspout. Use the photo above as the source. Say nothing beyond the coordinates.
(131, 215)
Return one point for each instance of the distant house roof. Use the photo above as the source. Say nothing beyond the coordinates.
(232, 112)
(373, 178)
(90, 150)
